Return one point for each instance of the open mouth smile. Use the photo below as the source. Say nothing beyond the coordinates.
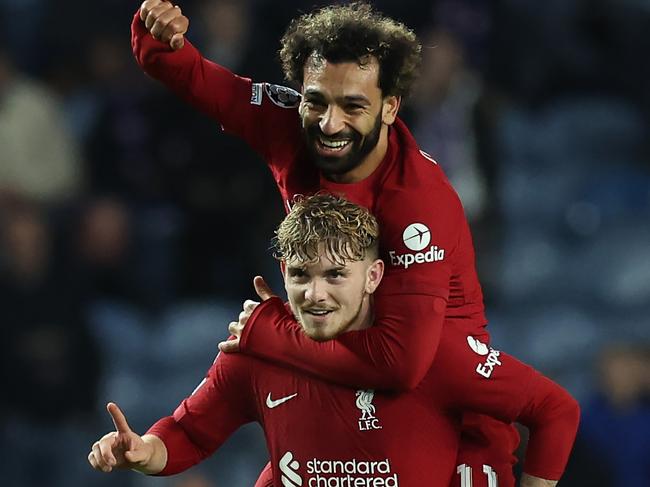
(330, 147)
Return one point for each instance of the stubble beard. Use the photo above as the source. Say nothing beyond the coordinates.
(361, 147)
(322, 334)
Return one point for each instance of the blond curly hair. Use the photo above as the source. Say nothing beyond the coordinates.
(347, 231)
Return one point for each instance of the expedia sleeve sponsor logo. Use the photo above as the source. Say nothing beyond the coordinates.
(337, 473)
(417, 237)
(491, 361)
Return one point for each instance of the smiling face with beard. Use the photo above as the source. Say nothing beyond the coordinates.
(345, 118)
(329, 160)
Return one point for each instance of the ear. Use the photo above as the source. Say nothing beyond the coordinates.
(389, 109)
(374, 274)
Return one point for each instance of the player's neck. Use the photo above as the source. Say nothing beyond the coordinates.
(369, 164)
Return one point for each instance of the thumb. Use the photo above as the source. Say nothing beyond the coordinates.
(177, 42)
(229, 346)
(135, 456)
(262, 288)
(119, 420)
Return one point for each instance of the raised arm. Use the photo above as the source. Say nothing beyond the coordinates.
(241, 107)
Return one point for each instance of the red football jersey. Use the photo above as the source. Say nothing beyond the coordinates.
(367, 437)
(425, 239)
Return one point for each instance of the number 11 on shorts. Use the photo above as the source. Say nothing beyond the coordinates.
(465, 472)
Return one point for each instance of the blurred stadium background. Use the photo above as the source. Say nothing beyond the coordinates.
(131, 227)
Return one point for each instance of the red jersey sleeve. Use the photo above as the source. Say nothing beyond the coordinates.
(257, 112)
(468, 375)
(202, 422)
(420, 239)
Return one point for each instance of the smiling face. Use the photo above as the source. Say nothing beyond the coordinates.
(345, 118)
(330, 297)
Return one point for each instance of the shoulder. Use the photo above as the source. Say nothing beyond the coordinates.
(232, 367)
(423, 193)
(419, 211)
(416, 177)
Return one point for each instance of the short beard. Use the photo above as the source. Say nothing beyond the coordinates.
(361, 147)
(343, 329)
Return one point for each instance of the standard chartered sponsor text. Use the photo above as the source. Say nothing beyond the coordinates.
(344, 473)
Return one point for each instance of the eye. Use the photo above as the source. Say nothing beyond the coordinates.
(353, 107)
(315, 104)
(335, 274)
(297, 275)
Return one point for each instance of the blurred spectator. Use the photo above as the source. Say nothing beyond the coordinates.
(103, 248)
(185, 184)
(444, 105)
(50, 365)
(23, 33)
(616, 423)
(224, 27)
(195, 480)
(470, 22)
(40, 160)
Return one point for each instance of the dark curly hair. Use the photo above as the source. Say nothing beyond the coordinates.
(344, 33)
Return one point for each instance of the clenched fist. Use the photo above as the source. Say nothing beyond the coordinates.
(165, 22)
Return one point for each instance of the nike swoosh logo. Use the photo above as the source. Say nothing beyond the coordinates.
(270, 403)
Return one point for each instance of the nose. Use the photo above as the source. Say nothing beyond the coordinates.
(332, 121)
(315, 292)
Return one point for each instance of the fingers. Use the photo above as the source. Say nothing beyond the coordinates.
(243, 318)
(234, 328)
(97, 459)
(177, 42)
(165, 22)
(171, 25)
(162, 21)
(92, 459)
(105, 447)
(155, 13)
(229, 346)
(250, 305)
(119, 420)
(146, 7)
(262, 288)
(135, 456)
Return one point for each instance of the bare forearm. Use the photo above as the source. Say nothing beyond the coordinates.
(158, 458)
(531, 481)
